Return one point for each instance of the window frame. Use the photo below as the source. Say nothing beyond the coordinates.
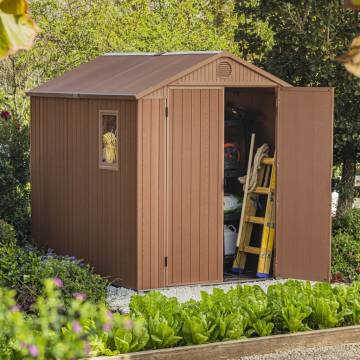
(103, 165)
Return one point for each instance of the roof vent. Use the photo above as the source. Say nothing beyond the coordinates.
(223, 70)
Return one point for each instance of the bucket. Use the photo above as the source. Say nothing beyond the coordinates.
(230, 237)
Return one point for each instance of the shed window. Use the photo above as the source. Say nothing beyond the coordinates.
(108, 139)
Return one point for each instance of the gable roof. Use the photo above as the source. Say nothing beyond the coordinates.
(132, 75)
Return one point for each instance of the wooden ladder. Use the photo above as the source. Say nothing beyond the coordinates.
(265, 187)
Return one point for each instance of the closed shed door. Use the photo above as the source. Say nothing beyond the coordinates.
(304, 164)
(195, 186)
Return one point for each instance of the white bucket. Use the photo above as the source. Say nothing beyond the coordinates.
(230, 237)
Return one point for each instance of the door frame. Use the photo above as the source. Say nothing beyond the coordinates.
(167, 119)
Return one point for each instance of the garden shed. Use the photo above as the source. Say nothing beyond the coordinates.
(127, 165)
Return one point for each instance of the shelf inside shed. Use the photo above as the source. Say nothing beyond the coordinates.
(258, 107)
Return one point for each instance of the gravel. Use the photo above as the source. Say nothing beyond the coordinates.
(338, 352)
(118, 298)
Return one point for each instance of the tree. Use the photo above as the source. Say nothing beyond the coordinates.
(351, 59)
(76, 31)
(308, 36)
(253, 35)
(14, 174)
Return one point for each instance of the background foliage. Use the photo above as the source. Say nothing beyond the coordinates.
(346, 246)
(14, 174)
(308, 36)
(24, 269)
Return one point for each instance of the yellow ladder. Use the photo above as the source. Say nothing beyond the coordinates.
(266, 187)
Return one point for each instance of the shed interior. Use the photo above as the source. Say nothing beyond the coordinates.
(247, 111)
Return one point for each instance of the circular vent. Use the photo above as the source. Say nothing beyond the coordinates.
(224, 69)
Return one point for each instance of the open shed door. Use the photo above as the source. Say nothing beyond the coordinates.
(304, 166)
(195, 186)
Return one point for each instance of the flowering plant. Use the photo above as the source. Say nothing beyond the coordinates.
(5, 115)
(56, 332)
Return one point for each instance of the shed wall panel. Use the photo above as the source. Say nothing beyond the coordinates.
(77, 144)
(79, 209)
(48, 176)
(195, 180)
(151, 193)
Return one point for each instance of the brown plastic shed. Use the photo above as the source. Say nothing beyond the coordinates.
(152, 215)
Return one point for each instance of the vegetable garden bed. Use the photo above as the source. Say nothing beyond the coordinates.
(255, 346)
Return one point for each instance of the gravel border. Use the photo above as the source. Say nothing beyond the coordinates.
(118, 298)
(338, 352)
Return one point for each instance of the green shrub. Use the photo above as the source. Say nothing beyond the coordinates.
(54, 333)
(345, 256)
(345, 262)
(349, 223)
(76, 277)
(15, 174)
(7, 234)
(24, 268)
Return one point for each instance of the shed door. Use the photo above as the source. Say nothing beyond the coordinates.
(304, 162)
(195, 181)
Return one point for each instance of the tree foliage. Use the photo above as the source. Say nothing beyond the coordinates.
(14, 173)
(76, 31)
(253, 36)
(308, 36)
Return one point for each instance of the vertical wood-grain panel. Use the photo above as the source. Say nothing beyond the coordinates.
(175, 192)
(205, 179)
(195, 178)
(79, 209)
(304, 166)
(195, 185)
(151, 193)
(154, 194)
(139, 186)
(185, 188)
(169, 195)
(162, 193)
(220, 188)
(214, 208)
(78, 165)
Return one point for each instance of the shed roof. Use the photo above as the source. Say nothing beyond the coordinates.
(132, 75)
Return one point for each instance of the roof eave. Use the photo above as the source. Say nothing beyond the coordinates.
(81, 95)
